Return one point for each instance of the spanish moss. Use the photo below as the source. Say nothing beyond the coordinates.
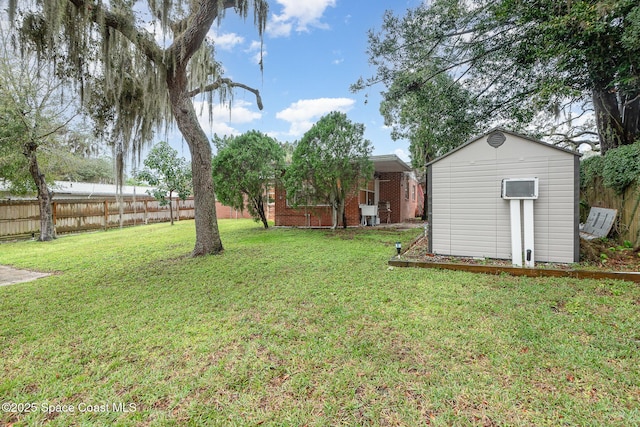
(134, 86)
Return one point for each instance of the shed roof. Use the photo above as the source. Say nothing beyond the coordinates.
(499, 129)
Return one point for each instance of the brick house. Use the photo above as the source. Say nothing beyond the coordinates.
(392, 196)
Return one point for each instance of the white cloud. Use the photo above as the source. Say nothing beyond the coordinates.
(223, 117)
(255, 45)
(339, 57)
(257, 50)
(302, 114)
(227, 41)
(279, 29)
(222, 129)
(402, 154)
(297, 14)
(257, 57)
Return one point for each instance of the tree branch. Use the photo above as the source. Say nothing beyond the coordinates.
(570, 137)
(630, 101)
(228, 82)
(56, 129)
(122, 24)
(195, 28)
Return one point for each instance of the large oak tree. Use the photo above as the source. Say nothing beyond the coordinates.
(435, 115)
(521, 58)
(147, 78)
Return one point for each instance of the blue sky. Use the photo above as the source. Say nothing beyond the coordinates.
(313, 51)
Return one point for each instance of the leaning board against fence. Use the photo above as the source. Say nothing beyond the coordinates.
(20, 218)
(627, 224)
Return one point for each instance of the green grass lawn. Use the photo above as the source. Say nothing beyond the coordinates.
(304, 327)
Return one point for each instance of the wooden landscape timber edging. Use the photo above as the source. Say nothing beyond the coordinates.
(516, 271)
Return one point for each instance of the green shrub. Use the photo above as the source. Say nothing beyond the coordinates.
(590, 169)
(621, 167)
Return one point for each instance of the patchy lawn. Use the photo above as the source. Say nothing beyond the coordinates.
(304, 327)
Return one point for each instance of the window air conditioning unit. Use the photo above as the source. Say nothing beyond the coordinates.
(520, 188)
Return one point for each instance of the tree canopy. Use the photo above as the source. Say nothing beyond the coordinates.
(435, 115)
(33, 111)
(136, 80)
(244, 168)
(167, 173)
(328, 162)
(521, 59)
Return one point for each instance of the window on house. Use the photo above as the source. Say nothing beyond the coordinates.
(406, 190)
(304, 197)
(413, 193)
(367, 194)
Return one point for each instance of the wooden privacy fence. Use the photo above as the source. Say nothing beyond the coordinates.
(20, 218)
(627, 225)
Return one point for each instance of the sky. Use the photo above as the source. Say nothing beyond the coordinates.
(313, 50)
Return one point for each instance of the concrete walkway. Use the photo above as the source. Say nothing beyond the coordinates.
(11, 276)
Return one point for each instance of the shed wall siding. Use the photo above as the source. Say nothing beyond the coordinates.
(469, 218)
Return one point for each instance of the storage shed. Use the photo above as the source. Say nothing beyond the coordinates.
(468, 215)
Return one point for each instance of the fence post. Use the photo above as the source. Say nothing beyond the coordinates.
(106, 214)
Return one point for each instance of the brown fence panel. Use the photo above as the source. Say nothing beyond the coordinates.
(186, 209)
(79, 215)
(627, 225)
(21, 218)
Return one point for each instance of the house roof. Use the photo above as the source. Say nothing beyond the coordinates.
(72, 190)
(389, 163)
(499, 129)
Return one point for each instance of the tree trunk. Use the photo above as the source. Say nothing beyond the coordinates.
(344, 218)
(608, 120)
(334, 215)
(207, 234)
(631, 116)
(171, 206)
(341, 210)
(258, 207)
(427, 159)
(339, 213)
(425, 214)
(47, 229)
(119, 181)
